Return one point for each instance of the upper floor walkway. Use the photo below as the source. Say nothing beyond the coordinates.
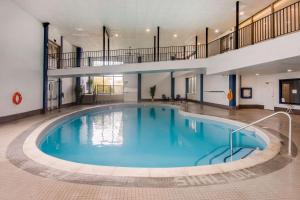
(261, 42)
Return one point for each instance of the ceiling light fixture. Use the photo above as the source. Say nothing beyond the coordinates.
(148, 30)
(257, 74)
(217, 31)
(198, 43)
(289, 70)
(175, 35)
(242, 13)
(79, 29)
(116, 35)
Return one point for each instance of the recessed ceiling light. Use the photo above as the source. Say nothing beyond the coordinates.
(289, 70)
(148, 30)
(175, 35)
(257, 74)
(79, 29)
(242, 13)
(217, 31)
(116, 35)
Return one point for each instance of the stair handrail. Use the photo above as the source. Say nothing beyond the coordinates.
(262, 119)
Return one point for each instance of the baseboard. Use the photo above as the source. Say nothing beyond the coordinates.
(67, 105)
(216, 105)
(14, 117)
(251, 106)
(294, 111)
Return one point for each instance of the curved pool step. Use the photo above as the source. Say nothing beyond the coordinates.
(238, 153)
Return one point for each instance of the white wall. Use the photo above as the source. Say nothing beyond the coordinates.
(21, 59)
(259, 92)
(162, 82)
(130, 87)
(216, 83)
(180, 86)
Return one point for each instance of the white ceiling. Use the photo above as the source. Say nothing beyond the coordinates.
(130, 18)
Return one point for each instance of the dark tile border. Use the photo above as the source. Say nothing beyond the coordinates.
(16, 156)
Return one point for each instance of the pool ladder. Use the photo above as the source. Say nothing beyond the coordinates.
(263, 119)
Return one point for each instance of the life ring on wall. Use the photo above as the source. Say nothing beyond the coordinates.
(230, 95)
(17, 98)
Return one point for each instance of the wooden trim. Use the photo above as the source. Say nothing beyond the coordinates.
(251, 106)
(14, 117)
(217, 105)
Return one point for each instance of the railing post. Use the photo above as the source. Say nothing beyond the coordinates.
(158, 56)
(272, 21)
(154, 49)
(237, 25)
(196, 49)
(252, 31)
(206, 42)
(103, 38)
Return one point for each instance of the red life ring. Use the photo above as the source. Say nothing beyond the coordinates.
(17, 98)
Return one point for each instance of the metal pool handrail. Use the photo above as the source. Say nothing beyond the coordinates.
(262, 119)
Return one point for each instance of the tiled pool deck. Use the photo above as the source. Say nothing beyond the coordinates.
(279, 179)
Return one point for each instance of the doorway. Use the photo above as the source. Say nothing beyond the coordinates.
(268, 96)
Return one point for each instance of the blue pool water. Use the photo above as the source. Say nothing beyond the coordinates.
(145, 136)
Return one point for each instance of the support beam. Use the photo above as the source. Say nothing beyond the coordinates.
(172, 86)
(232, 87)
(90, 78)
(103, 43)
(60, 66)
(78, 63)
(45, 67)
(237, 25)
(201, 88)
(108, 49)
(206, 42)
(196, 45)
(139, 87)
(186, 88)
(158, 43)
(59, 93)
(154, 49)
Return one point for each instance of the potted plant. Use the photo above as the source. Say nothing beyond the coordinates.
(78, 93)
(152, 92)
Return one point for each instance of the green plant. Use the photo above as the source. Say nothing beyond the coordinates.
(152, 92)
(90, 83)
(78, 93)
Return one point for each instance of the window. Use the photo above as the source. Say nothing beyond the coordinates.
(109, 84)
(192, 85)
(289, 91)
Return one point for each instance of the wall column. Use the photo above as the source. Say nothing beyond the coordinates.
(172, 86)
(78, 63)
(139, 87)
(201, 88)
(45, 67)
(186, 87)
(232, 87)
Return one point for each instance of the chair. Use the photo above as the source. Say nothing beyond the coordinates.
(165, 98)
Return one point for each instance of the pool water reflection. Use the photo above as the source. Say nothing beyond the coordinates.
(145, 136)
